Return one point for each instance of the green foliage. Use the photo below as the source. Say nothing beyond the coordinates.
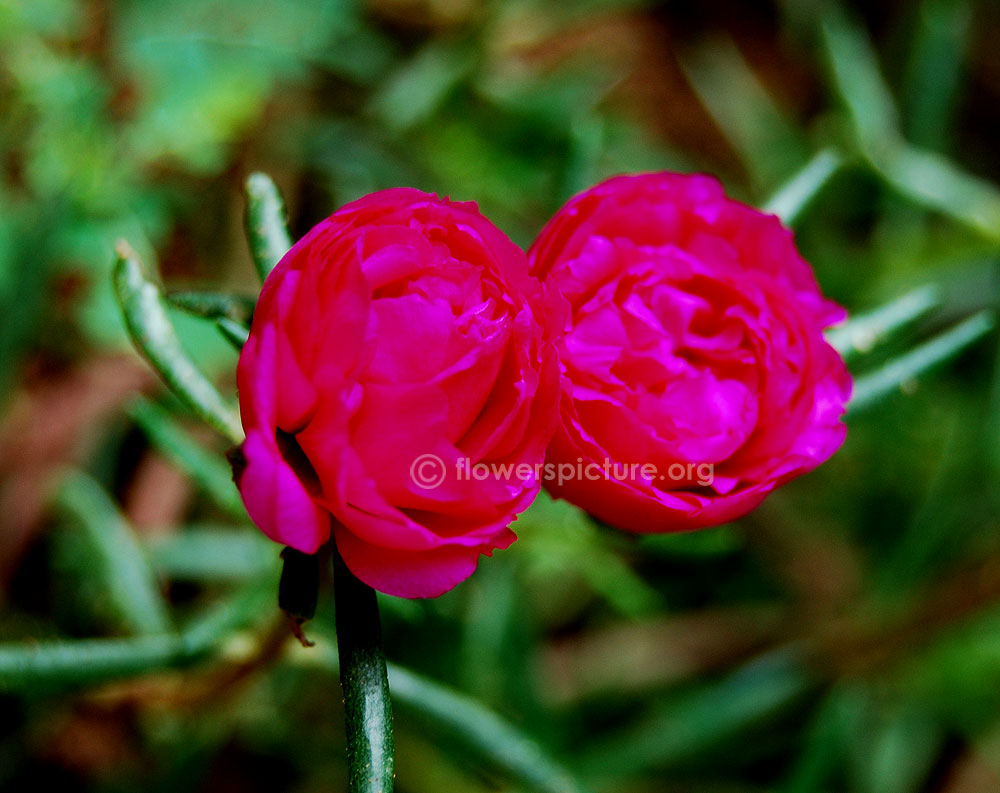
(873, 386)
(122, 562)
(146, 318)
(207, 470)
(267, 226)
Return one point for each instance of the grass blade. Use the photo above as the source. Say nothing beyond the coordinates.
(686, 727)
(759, 130)
(924, 177)
(797, 193)
(935, 75)
(860, 334)
(935, 182)
(857, 78)
(869, 389)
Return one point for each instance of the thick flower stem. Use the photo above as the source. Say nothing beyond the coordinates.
(365, 684)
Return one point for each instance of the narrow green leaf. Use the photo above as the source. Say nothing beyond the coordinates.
(870, 388)
(367, 706)
(959, 675)
(147, 322)
(793, 197)
(235, 333)
(214, 554)
(925, 177)
(822, 752)
(862, 333)
(934, 535)
(934, 75)
(760, 131)
(477, 728)
(684, 727)
(902, 752)
(58, 663)
(857, 78)
(934, 182)
(61, 663)
(415, 91)
(209, 471)
(131, 583)
(886, 746)
(482, 731)
(214, 305)
(266, 223)
(210, 630)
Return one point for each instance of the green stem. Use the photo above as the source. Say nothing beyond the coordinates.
(365, 683)
(214, 305)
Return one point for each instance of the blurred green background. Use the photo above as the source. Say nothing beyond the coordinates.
(844, 637)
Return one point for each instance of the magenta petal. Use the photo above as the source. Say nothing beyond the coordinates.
(277, 500)
(404, 324)
(409, 574)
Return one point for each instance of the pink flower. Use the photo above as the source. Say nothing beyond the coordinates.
(397, 342)
(695, 348)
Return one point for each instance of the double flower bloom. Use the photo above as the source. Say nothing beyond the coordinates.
(654, 323)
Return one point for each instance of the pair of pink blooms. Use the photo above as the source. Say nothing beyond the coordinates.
(655, 326)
